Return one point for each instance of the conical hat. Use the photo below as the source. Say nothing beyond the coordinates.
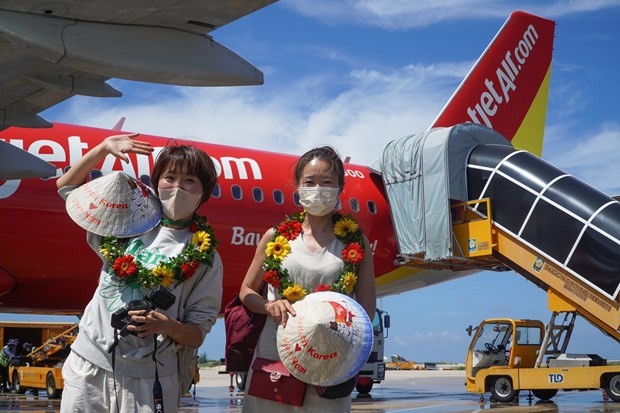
(328, 341)
(114, 205)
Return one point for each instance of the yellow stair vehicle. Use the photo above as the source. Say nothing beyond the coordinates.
(506, 356)
(42, 367)
(462, 205)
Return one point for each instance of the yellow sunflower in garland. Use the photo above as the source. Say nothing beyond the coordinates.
(129, 271)
(279, 248)
(344, 228)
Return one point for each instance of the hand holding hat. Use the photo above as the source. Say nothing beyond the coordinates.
(328, 341)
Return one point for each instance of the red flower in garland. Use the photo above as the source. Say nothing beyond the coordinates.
(193, 227)
(322, 287)
(290, 229)
(272, 278)
(353, 253)
(125, 266)
(188, 269)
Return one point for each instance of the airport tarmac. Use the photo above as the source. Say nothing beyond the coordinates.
(402, 391)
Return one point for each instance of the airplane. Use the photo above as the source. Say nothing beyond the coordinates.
(45, 263)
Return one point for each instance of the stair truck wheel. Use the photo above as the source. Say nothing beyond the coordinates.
(612, 387)
(502, 389)
(545, 394)
(50, 387)
(17, 384)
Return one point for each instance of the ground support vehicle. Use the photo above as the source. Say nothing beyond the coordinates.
(35, 333)
(374, 369)
(194, 369)
(510, 210)
(506, 356)
(399, 363)
(42, 367)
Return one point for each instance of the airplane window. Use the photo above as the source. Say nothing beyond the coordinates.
(372, 207)
(217, 191)
(258, 194)
(296, 198)
(278, 197)
(237, 193)
(354, 204)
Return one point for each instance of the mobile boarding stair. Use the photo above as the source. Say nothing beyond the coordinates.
(462, 198)
(46, 352)
(42, 367)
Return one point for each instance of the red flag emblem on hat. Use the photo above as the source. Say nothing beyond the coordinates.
(341, 314)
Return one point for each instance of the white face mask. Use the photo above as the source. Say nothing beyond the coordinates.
(318, 200)
(178, 203)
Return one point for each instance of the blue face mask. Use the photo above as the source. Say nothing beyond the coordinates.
(318, 200)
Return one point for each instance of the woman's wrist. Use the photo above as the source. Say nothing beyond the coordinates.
(172, 328)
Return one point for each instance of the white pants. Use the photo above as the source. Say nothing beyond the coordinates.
(90, 389)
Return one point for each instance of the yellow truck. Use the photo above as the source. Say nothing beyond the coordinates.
(40, 367)
(506, 356)
(399, 363)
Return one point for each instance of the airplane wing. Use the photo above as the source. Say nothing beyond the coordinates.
(51, 51)
(16, 163)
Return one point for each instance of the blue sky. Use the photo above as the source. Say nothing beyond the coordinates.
(358, 73)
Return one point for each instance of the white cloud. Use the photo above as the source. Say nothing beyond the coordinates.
(439, 336)
(406, 14)
(421, 346)
(370, 109)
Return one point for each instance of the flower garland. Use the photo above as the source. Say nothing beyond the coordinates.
(128, 270)
(345, 229)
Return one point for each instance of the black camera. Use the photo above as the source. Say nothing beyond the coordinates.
(160, 298)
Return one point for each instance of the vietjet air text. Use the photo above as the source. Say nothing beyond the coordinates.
(491, 99)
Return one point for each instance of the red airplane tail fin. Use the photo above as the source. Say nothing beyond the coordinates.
(507, 89)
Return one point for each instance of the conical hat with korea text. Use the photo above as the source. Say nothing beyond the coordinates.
(328, 341)
(114, 205)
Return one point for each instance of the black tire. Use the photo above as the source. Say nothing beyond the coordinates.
(545, 394)
(50, 387)
(17, 384)
(363, 389)
(612, 387)
(502, 389)
(240, 379)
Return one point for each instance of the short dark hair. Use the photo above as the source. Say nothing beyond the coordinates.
(186, 159)
(326, 153)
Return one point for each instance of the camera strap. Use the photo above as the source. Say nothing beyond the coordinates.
(158, 394)
(112, 350)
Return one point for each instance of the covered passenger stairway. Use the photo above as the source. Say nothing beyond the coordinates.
(463, 198)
